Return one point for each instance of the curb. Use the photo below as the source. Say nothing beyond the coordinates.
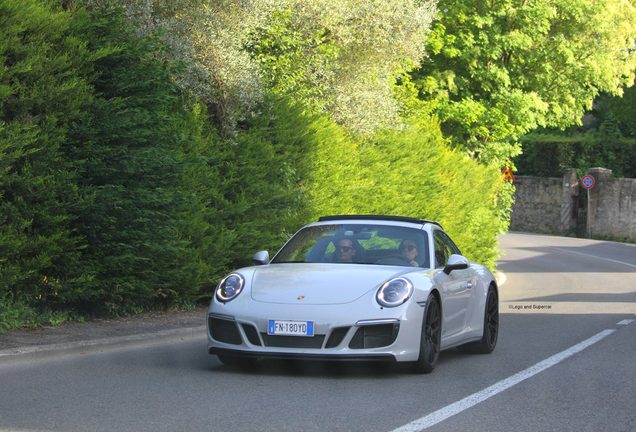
(96, 345)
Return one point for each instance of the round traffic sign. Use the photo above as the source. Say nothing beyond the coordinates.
(588, 182)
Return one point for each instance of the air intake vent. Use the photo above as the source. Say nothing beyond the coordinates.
(374, 336)
(252, 334)
(336, 336)
(224, 331)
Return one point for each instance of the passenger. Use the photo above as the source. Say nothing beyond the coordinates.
(408, 249)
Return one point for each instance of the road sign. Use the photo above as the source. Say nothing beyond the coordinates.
(588, 182)
(507, 175)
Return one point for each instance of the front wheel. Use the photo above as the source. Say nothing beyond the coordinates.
(488, 341)
(431, 337)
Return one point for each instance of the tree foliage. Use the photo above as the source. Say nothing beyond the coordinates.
(409, 172)
(498, 69)
(343, 57)
(339, 56)
(615, 115)
(549, 153)
(607, 139)
(130, 172)
(43, 92)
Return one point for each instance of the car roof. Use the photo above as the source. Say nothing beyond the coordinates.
(378, 218)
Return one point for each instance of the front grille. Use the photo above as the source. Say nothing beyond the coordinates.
(293, 341)
(374, 336)
(224, 331)
(252, 334)
(336, 336)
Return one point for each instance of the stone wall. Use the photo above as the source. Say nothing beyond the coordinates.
(545, 204)
(560, 205)
(612, 206)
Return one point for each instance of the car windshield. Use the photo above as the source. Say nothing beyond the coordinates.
(357, 243)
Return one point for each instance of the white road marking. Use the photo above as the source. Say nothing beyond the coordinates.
(24, 430)
(472, 400)
(597, 257)
(625, 322)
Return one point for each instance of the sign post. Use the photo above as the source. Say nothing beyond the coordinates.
(588, 183)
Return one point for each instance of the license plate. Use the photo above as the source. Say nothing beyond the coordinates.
(290, 328)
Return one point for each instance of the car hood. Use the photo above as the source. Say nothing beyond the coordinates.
(319, 284)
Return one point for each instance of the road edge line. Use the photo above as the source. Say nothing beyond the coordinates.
(457, 407)
(180, 333)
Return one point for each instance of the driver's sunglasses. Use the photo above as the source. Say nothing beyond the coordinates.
(409, 247)
(344, 248)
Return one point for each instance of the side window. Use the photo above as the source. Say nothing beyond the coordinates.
(444, 248)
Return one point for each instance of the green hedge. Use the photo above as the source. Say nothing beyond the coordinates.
(105, 179)
(414, 174)
(549, 154)
(43, 93)
(118, 195)
(306, 167)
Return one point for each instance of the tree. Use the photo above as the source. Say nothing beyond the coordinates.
(617, 115)
(340, 57)
(498, 69)
(607, 139)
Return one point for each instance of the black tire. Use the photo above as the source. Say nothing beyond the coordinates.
(237, 361)
(488, 341)
(431, 337)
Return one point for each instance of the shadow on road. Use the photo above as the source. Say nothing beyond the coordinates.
(585, 297)
(598, 258)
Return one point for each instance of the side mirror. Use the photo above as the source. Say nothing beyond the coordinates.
(261, 258)
(456, 262)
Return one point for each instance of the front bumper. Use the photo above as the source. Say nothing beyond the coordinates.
(394, 338)
(304, 356)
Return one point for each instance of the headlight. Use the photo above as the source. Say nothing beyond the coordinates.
(230, 287)
(395, 292)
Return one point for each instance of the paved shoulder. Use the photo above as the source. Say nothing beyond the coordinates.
(94, 333)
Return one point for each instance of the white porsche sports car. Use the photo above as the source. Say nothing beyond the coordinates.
(362, 287)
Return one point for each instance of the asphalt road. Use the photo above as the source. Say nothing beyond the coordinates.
(566, 361)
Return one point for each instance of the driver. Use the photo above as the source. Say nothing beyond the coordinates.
(345, 251)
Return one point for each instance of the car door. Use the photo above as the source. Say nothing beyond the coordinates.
(456, 287)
